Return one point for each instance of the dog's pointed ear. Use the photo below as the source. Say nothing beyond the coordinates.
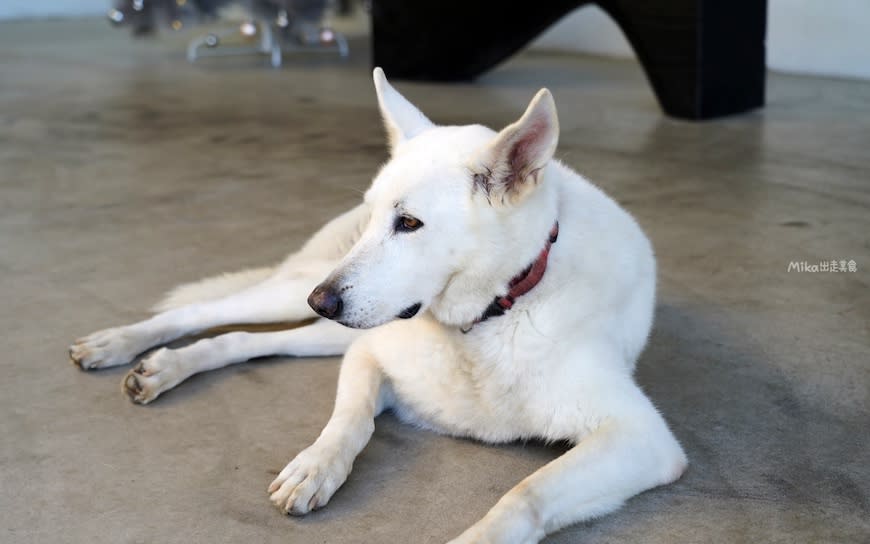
(513, 163)
(402, 120)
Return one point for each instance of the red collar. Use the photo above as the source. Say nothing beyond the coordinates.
(521, 284)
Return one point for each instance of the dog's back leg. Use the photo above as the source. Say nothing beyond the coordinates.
(166, 368)
(280, 296)
(272, 301)
(212, 288)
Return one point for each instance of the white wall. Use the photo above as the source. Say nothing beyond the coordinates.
(826, 37)
(588, 30)
(819, 36)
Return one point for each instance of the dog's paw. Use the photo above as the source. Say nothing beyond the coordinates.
(102, 349)
(153, 375)
(309, 481)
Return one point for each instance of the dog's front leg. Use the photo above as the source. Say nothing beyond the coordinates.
(310, 480)
(626, 455)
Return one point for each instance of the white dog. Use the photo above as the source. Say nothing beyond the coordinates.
(505, 298)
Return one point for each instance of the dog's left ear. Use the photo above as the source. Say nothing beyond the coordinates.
(515, 160)
(402, 120)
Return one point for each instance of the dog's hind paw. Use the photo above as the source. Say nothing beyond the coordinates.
(309, 481)
(152, 376)
(102, 349)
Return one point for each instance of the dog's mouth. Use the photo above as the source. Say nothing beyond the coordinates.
(407, 313)
(410, 311)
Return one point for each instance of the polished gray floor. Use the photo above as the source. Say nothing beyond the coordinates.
(125, 171)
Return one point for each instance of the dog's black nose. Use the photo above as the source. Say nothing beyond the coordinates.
(326, 301)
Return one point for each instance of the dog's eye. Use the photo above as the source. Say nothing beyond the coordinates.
(406, 223)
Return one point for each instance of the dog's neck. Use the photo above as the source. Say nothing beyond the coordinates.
(519, 240)
(520, 284)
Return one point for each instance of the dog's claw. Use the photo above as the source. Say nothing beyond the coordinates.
(132, 387)
(73, 359)
(78, 355)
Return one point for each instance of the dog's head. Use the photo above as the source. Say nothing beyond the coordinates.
(439, 208)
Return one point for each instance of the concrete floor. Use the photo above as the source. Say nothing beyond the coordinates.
(125, 171)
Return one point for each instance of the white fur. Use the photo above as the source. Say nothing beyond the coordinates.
(557, 366)
(212, 288)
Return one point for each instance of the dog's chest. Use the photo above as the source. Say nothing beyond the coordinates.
(496, 386)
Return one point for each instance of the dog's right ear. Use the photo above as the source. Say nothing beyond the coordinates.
(402, 120)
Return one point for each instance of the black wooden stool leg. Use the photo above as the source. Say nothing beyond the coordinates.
(704, 58)
(454, 40)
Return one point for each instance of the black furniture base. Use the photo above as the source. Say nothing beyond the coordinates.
(704, 58)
